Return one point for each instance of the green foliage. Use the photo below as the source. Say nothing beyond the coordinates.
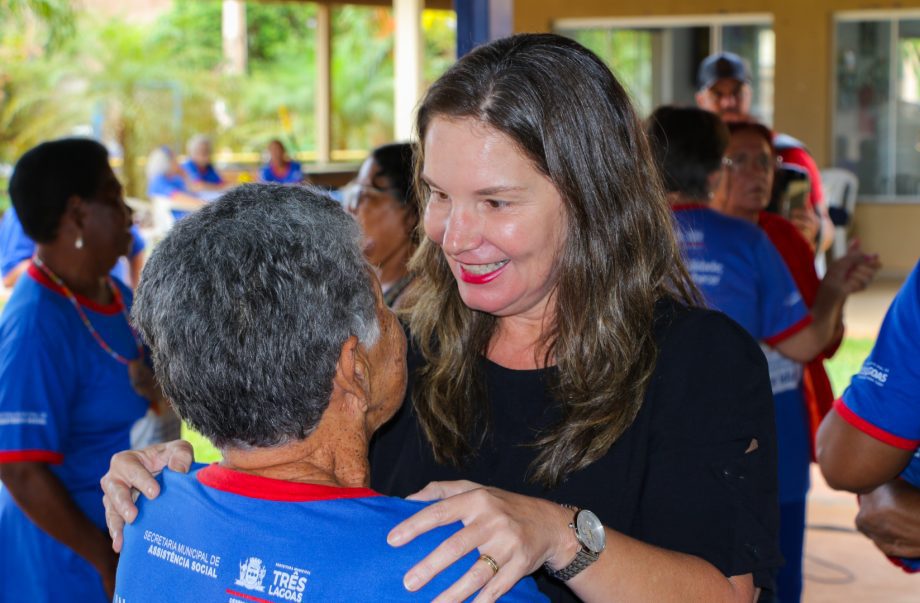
(847, 362)
(362, 66)
(143, 86)
(30, 104)
(628, 53)
(55, 17)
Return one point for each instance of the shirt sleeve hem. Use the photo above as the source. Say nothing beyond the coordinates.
(789, 332)
(872, 430)
(901, 563)
(31, 456)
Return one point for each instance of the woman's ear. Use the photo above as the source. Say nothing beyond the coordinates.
(73, 219)
(75, 210)
(351, 374)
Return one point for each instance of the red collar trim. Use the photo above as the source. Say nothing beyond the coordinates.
(688, 206)
(254, 486)
(110, 309)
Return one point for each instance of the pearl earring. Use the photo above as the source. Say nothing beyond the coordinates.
(79, 242)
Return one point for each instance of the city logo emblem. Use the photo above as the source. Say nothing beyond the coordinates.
(251, 574)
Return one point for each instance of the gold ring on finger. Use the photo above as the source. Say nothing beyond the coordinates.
(492, 563)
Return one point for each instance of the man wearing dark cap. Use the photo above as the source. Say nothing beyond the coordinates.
(725, 88)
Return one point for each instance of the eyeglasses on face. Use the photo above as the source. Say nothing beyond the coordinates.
(742, 161)
(355, 193)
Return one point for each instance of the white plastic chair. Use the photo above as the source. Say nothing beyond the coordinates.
(840, 189)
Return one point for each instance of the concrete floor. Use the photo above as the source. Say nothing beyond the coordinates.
(841, 565)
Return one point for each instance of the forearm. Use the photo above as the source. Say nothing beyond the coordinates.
(43, 498)
(630, 570)
(890, 516)
(197, 185)
(186, 202)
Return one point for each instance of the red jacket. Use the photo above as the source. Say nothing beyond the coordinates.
(800, 259)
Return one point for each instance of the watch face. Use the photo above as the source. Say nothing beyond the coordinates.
(590, 531)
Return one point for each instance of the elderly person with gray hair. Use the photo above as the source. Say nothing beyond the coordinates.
(269, 333)
(198, 167)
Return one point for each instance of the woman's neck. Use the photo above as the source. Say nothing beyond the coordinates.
(518, 342)
(330, 456)
(721, 205)
(72, 267)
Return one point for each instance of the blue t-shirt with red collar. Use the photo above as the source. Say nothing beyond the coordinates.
(16, 246)
(883, 399)
(741, 273)
(224, 536)
(64, 402)
(293, 175)
(208, 175)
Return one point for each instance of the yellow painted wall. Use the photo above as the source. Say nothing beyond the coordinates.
(802, 96)
(892, 231)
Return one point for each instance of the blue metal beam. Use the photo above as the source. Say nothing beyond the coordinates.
(481, 21)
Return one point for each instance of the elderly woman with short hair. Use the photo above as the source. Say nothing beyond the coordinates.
(269, 334)
(199, 168)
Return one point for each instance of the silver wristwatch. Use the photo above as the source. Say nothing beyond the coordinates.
(589, 531)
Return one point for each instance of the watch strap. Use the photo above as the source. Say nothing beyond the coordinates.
(583, 558)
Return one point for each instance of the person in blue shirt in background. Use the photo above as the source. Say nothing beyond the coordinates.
(280, 168)
(870, 442)
(166, 180)
(280, 350)
(17, 249)
(198, 168)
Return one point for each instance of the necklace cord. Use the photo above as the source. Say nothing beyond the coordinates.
(116, 294)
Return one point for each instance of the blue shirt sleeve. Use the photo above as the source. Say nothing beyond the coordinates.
(883, 399)
(15, 245)
(783, 310)
(37, 381)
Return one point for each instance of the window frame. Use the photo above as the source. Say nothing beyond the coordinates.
(715, 23)
(892, 17)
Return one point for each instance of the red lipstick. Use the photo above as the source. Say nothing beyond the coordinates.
(480, 279)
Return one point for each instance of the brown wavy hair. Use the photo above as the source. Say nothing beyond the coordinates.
(564, 110)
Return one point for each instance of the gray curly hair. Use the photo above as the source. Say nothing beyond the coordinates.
(245, 306)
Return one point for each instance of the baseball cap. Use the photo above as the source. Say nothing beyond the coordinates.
(722, 65)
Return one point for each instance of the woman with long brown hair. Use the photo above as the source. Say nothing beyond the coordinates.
(556, 356)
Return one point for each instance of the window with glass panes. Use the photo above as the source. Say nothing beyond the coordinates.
(876, 131)
(657, 60)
